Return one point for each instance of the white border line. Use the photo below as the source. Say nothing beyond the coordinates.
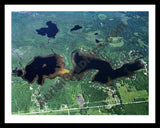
(9, 118)
(79, 7)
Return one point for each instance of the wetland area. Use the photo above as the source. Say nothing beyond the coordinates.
(80, 63)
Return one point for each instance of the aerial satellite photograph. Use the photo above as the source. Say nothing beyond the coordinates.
(80, 62)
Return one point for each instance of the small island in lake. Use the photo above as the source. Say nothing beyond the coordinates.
(42, 67)
(50, 66)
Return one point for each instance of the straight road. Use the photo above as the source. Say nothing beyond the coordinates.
(137, 102)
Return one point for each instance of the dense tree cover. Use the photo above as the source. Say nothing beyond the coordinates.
(21, 97)
(141, 82)
(93, 94)
(66, 95)
(28, 44)
(128, 109)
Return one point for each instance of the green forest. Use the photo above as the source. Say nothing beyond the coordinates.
(126, 95)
